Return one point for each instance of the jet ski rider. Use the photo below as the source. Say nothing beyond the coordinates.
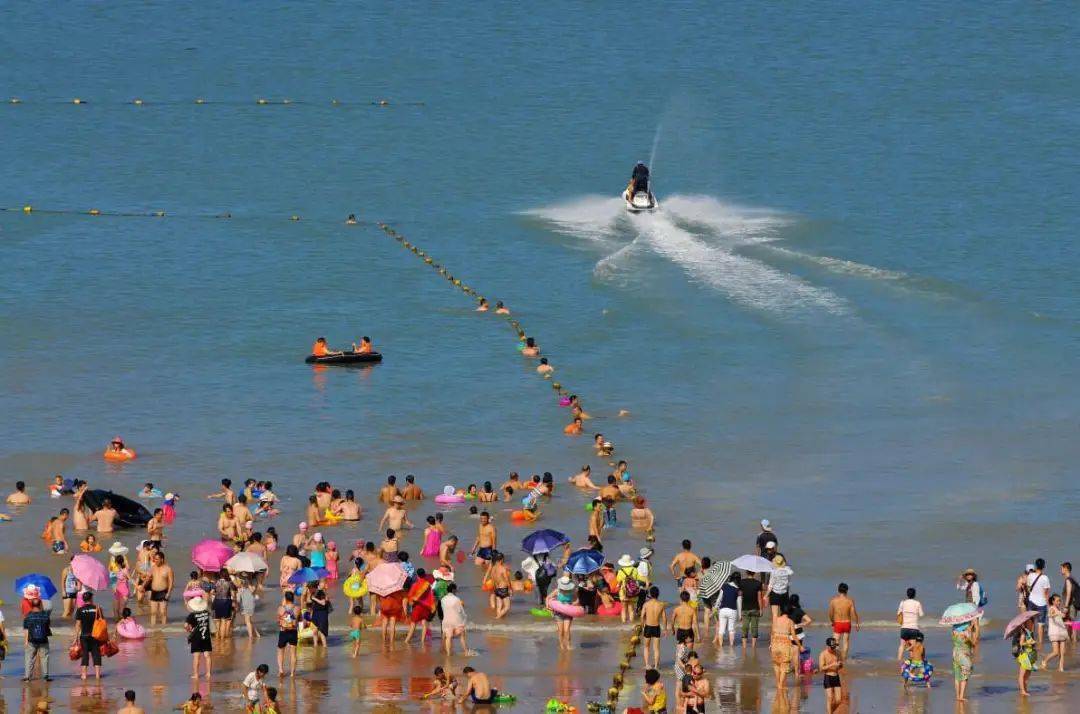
(639, 180)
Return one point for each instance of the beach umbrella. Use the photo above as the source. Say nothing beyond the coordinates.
(246, 563)
(714, 578)
(544, 540)
(210, 555)
(307, 575)
(584, 562)
(386, 578)
(960, 613)
(753, 564)
(90, 572)
(1017, 622)
(41, 582)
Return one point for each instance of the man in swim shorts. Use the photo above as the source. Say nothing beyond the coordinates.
(830, 665)
(842, 613)
(161, 585)
(654, 621)
(486, 539)
(477, 687)
(499, 576)
(684, 621)
(58, 532)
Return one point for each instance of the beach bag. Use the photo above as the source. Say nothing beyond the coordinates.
(631, 585)
(100, 631)
(806, 662)
(75, 651)
(109, 648)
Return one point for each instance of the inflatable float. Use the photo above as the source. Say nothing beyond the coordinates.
(131, 630)
(345, 358)
(613, 610)
(124, 454)
(523, 516)
(129, 513)
(559, 608)
(539, 612)
(355, 586)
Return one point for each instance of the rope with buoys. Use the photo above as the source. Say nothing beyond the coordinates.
(258, 101)
(634, 639)
(30, 209)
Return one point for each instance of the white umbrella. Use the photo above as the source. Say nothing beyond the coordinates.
(753, 564)
(246, 563)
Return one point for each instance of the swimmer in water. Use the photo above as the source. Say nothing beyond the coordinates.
(530, 349)
(484, 305)
(351, 220)
(501, 309)
(544, 368)
(574, 428)
(582, 479)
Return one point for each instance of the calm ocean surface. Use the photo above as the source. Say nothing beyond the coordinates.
(855, 314)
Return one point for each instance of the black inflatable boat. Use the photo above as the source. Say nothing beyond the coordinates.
(346, 358)
(129, 514)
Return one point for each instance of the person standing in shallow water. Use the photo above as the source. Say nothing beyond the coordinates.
(842, 615)
(962, 658)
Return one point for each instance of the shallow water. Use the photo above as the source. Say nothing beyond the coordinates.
(855, 314)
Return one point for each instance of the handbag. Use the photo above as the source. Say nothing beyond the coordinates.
(75, 651)
(100, 631)
(109, 648)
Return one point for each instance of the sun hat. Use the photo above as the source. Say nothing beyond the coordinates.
(1029, 568)
(565, 583)
(118, 548)
(779, 561)
(969, 571)
(197, 604)
(31, 592)
(645, 553)
(448, 490)
(625, 561)
(765, 523)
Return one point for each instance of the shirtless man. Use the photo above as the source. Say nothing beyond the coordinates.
(155, 527)
(226, 492)
(349, 509)
(683, 560)
(544, 368)
(610, 490)
(596, 519)
(684, 620)
(161, 585)
(323, 496)
(412, 491)
(654, 621)
(499, 577)
(582, 479)
(641, 516)
(477, 687)
(104, 517)
(512, 481)
(486, 540)
(389, 491)
(18, 497)
(395, 516)
(446, 552)
(242, 513)
(129, 704)
(58, 532)
(842, 613)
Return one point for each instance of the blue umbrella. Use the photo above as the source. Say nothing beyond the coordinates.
(544, 540)
(584, 561)
(307, 575)
(41, 581)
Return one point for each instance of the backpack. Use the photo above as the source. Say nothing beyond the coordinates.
(631, 585)
(984, 599)
(39, 630)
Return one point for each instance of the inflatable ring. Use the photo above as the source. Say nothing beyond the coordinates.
(523, 516)
(355, 586)
(329, 519)
(613, 611)
(131, 630)
(194, 592)
(488, 586)
(540, 612)
(122, 455)
(449, 499)
(566, 610)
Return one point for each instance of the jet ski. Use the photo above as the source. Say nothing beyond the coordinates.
(638, 195)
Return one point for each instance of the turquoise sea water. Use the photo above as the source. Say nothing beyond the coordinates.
(855, 314)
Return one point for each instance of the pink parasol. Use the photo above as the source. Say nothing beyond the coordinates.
(90, 572)
(211, 555)
(1017, 622)
(386, 578)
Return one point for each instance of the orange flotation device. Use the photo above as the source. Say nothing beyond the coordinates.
(125, 454)
(523, 516)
